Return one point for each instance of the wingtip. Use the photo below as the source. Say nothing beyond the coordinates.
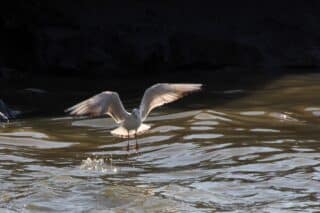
(197, 87)
(188, 87)
(4, 117)
(71, 110)
(200, 86)
(68, 110)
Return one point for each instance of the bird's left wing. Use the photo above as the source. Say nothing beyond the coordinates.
(104, 103)
(160, 94)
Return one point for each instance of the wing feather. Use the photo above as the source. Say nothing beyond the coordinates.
(160, 94)
(3, 117)
(107, 102)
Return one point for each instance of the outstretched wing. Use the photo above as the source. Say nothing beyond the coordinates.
(3, 117)
(160, 94)
(104, 103)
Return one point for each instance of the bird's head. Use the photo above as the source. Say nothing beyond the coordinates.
(136, 112)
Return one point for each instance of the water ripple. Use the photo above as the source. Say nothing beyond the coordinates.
(255, 153)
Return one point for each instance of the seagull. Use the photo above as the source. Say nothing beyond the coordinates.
(3, 117)
(131, 124)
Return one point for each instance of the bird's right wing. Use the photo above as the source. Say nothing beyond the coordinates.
(104, 103)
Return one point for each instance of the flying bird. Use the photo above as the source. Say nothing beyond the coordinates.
(131, 124)
(3, 117)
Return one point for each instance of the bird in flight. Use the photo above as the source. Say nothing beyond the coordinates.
(131, 124)
(3, 117)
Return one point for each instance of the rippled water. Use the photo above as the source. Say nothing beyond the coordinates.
(260, 151)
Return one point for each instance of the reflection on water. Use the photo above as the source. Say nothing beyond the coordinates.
(257, 152)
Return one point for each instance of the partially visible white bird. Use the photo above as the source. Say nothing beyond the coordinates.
(109, 103)
(3, 117)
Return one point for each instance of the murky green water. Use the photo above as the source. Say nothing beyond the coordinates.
(258, 151)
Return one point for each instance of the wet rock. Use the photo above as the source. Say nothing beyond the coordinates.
(154, 50)
(35, 90)
(144, 48)
(68, 50)
(56, 37)
(203, 51)
(5, 73)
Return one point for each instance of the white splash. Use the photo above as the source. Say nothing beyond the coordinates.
(99, 164)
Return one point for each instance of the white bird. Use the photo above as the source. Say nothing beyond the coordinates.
(3, 117)
(109, 103)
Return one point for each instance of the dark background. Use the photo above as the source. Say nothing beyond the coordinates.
(130, 38)
(96, 45)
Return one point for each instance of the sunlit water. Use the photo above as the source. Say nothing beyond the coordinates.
(257, 152)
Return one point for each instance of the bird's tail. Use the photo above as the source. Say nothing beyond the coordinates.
(123, 133)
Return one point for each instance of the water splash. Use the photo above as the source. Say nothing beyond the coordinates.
(99, 164)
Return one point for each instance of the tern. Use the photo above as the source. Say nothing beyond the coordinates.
(131, 124)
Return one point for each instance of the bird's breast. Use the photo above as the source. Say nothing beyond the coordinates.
(131, 123)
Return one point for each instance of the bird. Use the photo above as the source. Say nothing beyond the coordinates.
(131, 124)
(5, 112)
(3, 117)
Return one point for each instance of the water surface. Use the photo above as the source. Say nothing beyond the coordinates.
(259, 151)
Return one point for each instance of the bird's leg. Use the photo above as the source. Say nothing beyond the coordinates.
(136, 137)
(128, 146)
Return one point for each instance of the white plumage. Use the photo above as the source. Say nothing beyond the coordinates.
(3, 117)
(109, 103)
